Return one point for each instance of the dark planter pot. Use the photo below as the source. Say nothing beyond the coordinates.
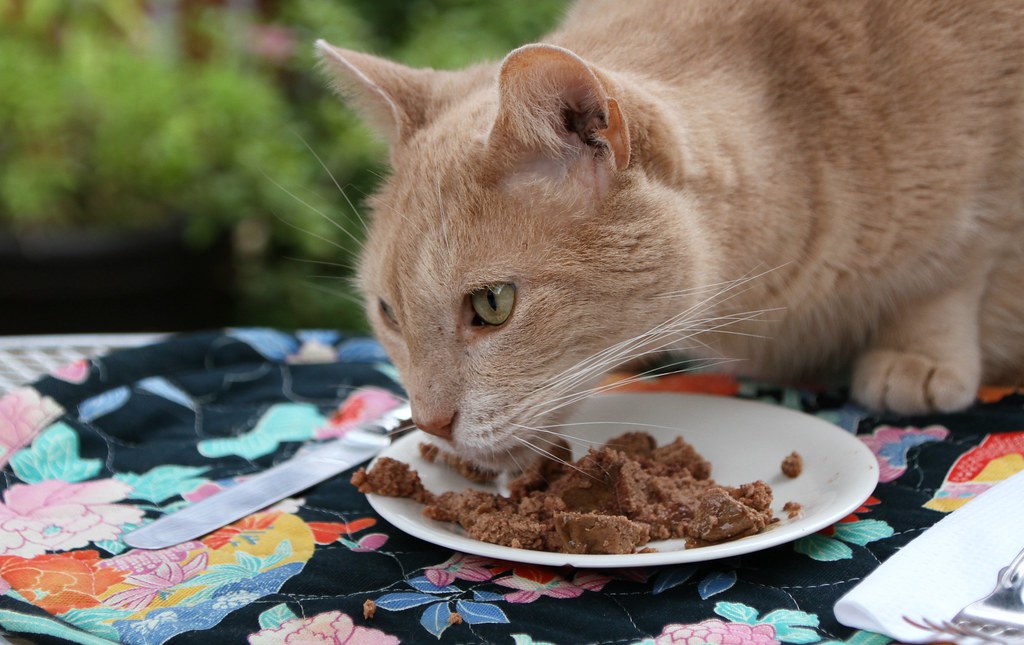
(87, 281)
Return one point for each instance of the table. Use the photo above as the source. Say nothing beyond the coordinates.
(23, 359)
(102, 445)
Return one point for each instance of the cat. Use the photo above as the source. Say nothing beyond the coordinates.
(788, 188)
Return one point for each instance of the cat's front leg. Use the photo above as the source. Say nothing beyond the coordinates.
(927, 358)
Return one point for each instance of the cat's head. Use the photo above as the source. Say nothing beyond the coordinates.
(517, 238)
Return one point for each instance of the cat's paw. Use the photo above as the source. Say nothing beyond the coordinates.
(908, 383)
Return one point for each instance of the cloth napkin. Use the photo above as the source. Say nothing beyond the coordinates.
(952, 564)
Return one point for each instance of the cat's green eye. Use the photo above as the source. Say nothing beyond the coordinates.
(493, 305)
(388, 313)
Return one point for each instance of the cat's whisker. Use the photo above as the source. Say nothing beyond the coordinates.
(340, 265)
(727, 284)
(572, 399)
(545, 430)
(546, 454)
(598, 362)
(355, 211)
(618, 355)
(631, 424)
(309, 232)
(331, 220)
(336, 293)
(572, 394)
(718, 287)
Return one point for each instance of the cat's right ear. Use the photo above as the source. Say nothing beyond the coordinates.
(393, 99)
(559, 114)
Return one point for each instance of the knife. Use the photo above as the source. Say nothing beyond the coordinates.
(305, 469)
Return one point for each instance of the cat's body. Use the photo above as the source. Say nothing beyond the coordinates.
(850, 174)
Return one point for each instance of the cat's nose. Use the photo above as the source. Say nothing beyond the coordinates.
(439, 425)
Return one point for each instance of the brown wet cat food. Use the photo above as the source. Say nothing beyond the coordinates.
(793, 510)
(793, 465)
(613, 500)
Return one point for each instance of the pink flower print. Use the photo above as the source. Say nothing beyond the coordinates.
(328, 628)
(286, 505)
(534, 582)
(716, 632)
(203, 491)
(891, 445)
(77, 372)
(23, 414)
(463, 567)
(364, 404)
(59, 516)
(149, 584)
(141, 561)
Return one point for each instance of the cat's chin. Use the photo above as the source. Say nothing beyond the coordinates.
(487, 451)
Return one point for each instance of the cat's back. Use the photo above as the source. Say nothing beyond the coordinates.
(657, 35)
(894, 94)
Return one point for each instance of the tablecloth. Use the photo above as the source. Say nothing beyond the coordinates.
(104, 445)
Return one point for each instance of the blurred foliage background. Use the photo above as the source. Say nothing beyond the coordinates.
(122, 115)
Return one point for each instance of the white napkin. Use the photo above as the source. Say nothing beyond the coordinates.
(945, 568)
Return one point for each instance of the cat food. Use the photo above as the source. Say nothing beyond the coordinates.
(392, 478)
(613, 500)
(432, 454)
(793, 510)
(793, 465)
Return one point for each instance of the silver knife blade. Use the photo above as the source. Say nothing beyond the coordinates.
(272, 485)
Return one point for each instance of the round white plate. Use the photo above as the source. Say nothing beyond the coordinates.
(743, 440)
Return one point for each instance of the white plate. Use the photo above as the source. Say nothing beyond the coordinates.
(743, 440)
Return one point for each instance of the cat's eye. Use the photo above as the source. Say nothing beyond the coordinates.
(385, 309)
(493, 305)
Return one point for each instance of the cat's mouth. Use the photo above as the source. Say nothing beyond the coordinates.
(504, 446)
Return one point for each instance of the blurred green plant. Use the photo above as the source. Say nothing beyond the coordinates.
(121, 115)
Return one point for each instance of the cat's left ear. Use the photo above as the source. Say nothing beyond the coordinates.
(554, 103)
(394, 100)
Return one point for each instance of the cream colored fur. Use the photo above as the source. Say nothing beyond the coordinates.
(805, 185)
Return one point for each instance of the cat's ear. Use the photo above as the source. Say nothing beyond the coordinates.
(554, 103)
(393, 99)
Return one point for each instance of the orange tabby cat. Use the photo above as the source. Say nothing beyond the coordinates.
(804, 185)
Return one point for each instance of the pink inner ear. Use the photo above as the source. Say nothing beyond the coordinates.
(617, 135)
(553, 102)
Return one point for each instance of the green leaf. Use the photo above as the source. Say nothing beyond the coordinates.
(863, 531)
(862, 638)
(54, 455)
(163, 482)
(273, 617)
(792, 626)
(737, 612)
(96, 620)
(282, 422)
(13, 621)
(823, 549)
(250, 563)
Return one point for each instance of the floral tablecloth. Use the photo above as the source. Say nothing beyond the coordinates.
(105, 445)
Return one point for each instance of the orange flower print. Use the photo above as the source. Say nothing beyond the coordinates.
(60, 582)
(720, 384)
(328, 532)
(244, 529)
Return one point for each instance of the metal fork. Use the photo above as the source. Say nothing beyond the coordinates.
(996, 618)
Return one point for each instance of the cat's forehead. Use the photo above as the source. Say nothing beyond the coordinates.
(447, 235)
